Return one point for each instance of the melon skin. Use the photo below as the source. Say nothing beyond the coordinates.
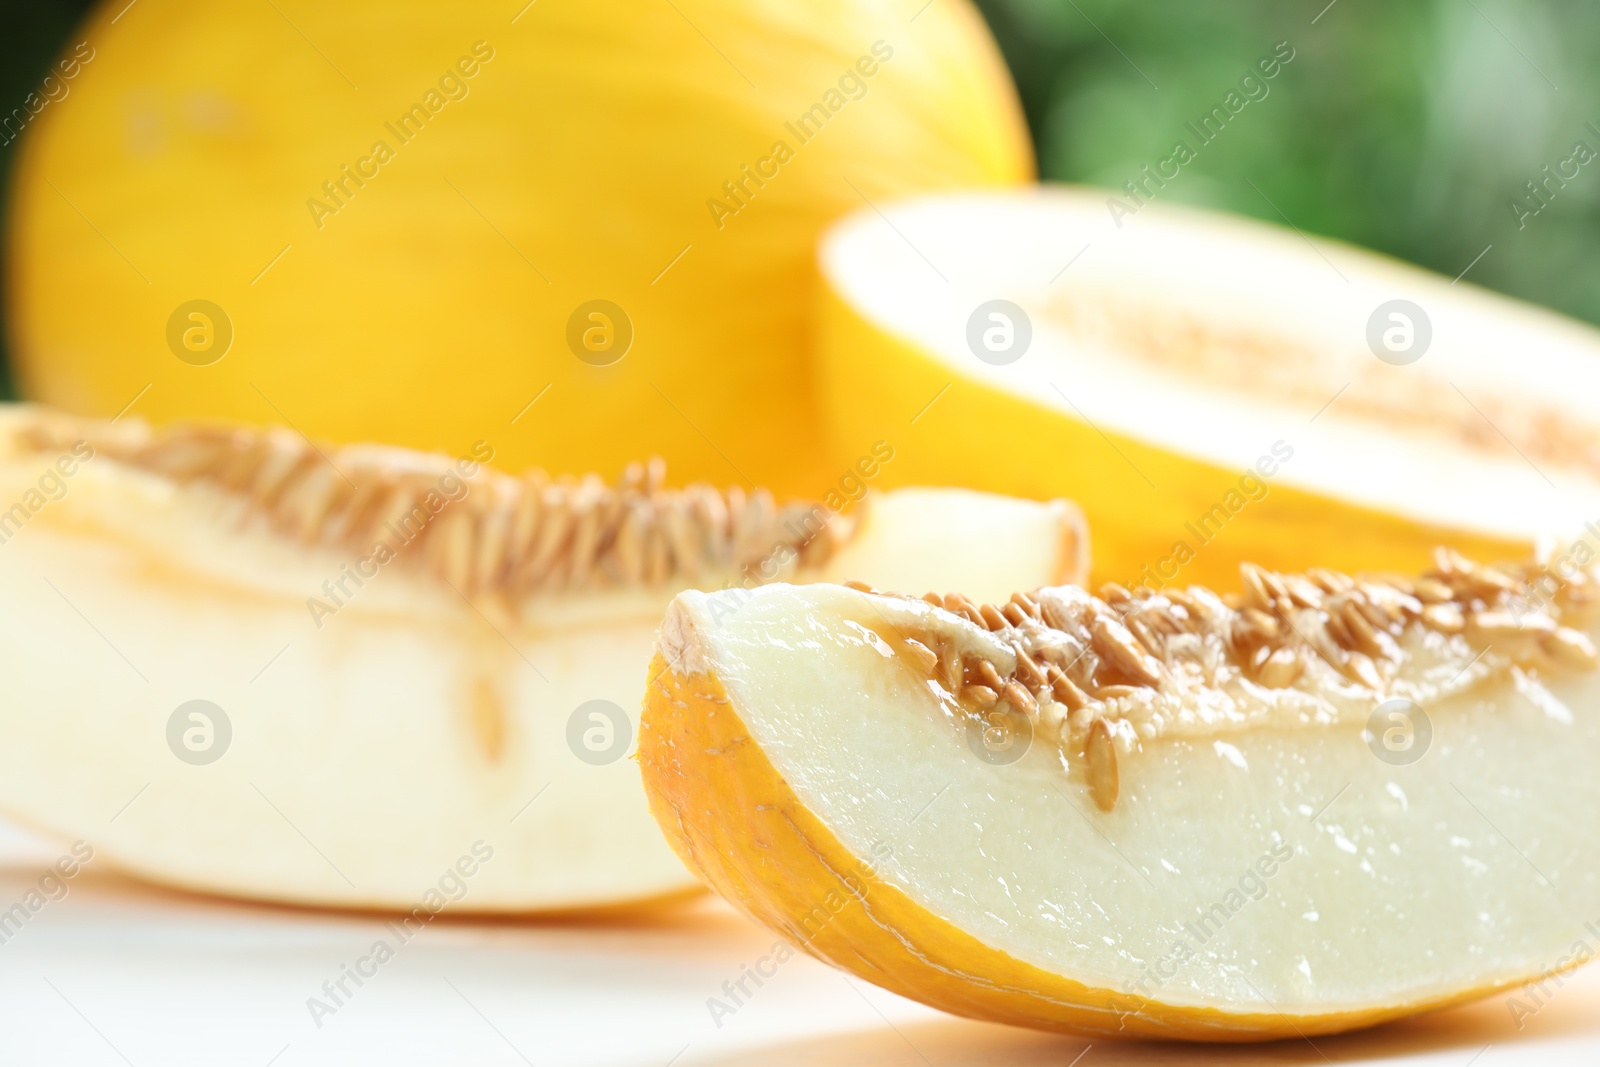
(868, 836)
(582, 163)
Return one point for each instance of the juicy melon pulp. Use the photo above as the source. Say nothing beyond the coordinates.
(1180, 353)
(1270, 859)
(382, 726)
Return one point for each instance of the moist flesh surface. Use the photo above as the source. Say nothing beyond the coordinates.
(1280, 867)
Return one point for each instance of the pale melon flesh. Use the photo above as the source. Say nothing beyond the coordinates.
(371, 747)
(1262, 870)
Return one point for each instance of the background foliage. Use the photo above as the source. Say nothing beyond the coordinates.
(31, 35)
(1405, 127)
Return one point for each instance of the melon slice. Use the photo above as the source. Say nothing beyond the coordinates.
(371, 714)
(1316, 805)
(1228, 390)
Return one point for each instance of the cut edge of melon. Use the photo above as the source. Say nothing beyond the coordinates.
(1366, 489)
(789, 872)
(743, 690)
(421, 714)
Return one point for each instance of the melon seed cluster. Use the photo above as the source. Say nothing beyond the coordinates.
(495, 532)
(1086, 665)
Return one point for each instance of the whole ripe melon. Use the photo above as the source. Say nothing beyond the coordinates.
(402, 213)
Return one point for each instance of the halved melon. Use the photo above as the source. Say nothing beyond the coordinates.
(400, 656)
(1212, 390)
(1313, 806)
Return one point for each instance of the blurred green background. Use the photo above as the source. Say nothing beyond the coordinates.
(31, 34)
(1405, 127)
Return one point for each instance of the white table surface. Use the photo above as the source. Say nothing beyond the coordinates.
(122, 973)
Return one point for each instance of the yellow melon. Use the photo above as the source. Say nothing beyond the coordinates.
(1212, 390)
(1316, 804)
(245, 663)
(408, 222)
